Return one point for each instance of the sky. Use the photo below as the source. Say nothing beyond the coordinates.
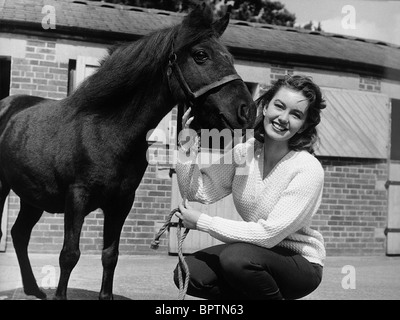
(369, 19)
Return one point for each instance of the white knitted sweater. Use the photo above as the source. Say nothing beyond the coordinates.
(276, 211)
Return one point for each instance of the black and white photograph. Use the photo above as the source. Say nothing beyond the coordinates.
(200, 150)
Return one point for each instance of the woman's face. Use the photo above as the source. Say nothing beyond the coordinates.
(285, 114)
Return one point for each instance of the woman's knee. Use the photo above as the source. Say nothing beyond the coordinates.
(199, 275)
(234, 259)
(197, 286)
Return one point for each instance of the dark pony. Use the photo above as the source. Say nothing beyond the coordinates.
(88, 150)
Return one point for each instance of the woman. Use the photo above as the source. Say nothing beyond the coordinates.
(273, 253)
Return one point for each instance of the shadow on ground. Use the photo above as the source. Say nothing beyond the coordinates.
(73, 294)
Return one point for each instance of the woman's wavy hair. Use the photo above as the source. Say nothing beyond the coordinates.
(306, 139)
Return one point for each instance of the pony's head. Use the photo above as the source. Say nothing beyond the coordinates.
(132, 80)
(201, 73)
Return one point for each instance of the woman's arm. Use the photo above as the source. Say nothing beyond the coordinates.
(295, 208)
(208, 184)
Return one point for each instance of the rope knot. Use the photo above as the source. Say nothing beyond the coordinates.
(155, 244)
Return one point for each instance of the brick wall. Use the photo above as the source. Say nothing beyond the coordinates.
(39, 73)
(353, 213)
(279, 71)
(370, 84)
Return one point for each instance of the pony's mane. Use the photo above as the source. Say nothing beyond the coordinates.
(127, 71)
(133, 72)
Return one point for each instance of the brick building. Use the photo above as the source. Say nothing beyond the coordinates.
(47, 48)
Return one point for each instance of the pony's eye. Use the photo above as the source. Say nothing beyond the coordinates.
(200, 56)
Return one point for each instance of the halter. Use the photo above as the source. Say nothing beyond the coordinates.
(173, 68)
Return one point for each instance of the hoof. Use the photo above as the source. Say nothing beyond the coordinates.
(106, 297)
(35, 291)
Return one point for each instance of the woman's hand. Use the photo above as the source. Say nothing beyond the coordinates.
(187, 137)
(188, 215)
(186, 119)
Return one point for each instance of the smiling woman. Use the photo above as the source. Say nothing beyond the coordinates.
(304, 103)
(284, 116)
(272, 253)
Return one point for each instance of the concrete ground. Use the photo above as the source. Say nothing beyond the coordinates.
(141, 277)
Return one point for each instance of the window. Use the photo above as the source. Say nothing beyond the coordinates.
(5, 70)
(71, 75)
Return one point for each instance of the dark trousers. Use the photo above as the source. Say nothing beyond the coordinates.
(246, 271)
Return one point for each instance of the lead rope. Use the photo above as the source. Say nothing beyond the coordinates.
(182, 265)
(183, 284)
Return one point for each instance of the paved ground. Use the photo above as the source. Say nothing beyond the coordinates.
(150, 278)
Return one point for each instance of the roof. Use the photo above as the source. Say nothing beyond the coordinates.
(104, 22)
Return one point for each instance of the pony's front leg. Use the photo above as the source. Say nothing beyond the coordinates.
(75, 212)
(114, 219)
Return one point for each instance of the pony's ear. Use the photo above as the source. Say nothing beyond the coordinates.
(197, 24)
(220, 25)
(200, 17)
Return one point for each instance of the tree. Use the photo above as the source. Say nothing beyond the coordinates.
(261, 11)
(168, 5)
(312, 26)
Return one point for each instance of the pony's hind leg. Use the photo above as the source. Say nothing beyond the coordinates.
(21, 232)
